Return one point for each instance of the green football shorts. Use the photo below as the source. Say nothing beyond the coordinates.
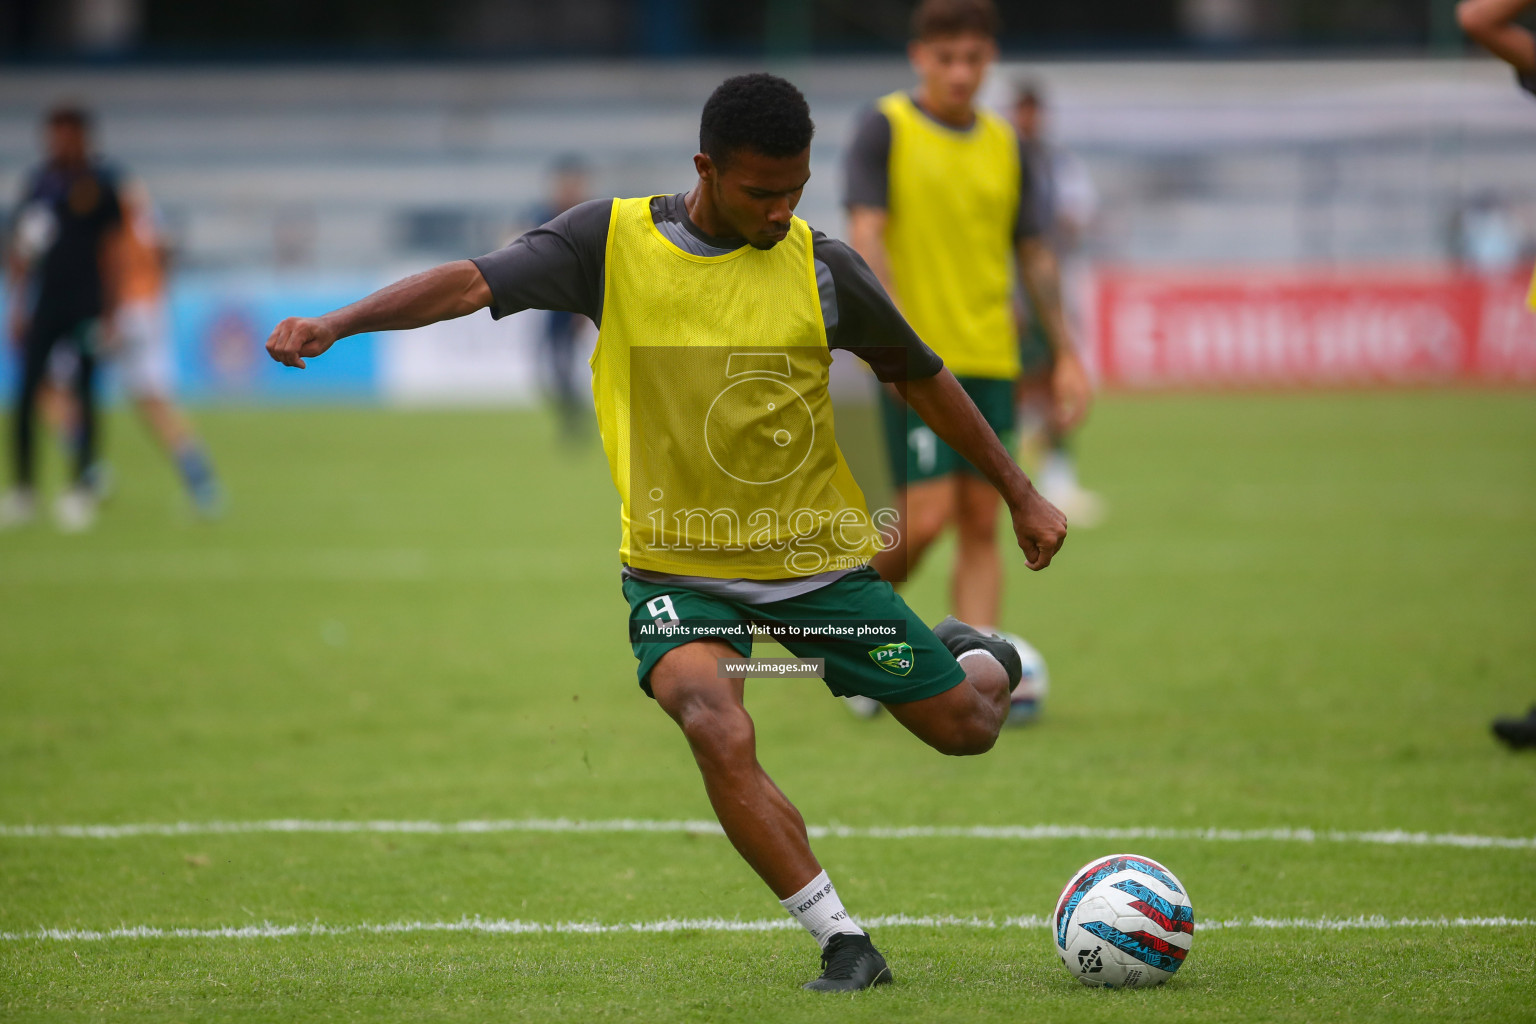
(891, 670)
(915, 451)
(1035, 354)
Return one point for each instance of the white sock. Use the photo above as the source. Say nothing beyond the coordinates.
(1058, 474)
(818, 908)
(980, 652)
(986, 654)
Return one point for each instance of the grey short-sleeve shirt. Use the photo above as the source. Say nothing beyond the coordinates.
(559, 265)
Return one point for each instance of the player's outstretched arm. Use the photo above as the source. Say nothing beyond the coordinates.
(443, 293)
(1040, 527)
(1492, 24)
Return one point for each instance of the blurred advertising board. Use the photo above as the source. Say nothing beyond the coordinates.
(1193, 328)
(1201, 328)
(219, 325)
(470, 361)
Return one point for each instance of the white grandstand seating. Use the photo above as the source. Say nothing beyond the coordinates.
(1197, 162)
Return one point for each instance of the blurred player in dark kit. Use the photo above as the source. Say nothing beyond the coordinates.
(63, 291)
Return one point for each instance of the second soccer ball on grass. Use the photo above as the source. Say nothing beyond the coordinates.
(1028, 698)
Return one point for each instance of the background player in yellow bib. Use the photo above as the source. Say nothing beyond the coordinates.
(939, 207)
(717, 310)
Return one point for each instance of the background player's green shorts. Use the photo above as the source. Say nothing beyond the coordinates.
(866, 668)
(1035, 353)
(915, 451)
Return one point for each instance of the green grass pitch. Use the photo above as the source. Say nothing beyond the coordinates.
(1302, 613)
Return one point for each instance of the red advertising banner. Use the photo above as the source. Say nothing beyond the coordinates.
(1220, 328)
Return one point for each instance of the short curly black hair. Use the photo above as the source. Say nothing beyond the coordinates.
(760, 112)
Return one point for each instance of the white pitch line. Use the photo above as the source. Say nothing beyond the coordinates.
(713, 924)
(1395, 837)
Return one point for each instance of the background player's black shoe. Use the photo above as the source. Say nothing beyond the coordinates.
(959, 638)
(848, 964)
(1519, 733)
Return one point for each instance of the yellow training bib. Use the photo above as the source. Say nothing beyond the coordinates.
(710, 382)
(950, 213)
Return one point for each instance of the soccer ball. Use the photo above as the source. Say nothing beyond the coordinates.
(1123, 922)
(1029, 696)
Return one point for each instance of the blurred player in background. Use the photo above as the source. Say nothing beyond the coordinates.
(63, 282)
(559, 355)
(940, 206)
(140, 346)
(684, 287)
(1065, 205)
(1492, 23)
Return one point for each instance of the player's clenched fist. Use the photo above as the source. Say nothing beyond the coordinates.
(1040, 528)
(299, 338)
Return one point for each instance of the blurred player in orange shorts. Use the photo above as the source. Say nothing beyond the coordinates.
(142, 345)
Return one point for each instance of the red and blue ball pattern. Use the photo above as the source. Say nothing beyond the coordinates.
(1123, 921)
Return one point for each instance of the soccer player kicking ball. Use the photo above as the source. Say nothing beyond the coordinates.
(717, 310)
